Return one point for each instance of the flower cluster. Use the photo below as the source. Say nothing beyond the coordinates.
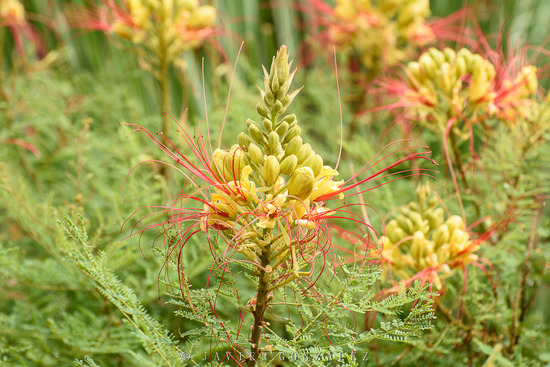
(265, 196)
(162, 27)
(445, 85)
(271, 178)
(420, 241)
(382, 33)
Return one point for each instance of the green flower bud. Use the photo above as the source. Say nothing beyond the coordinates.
(282, 128)
(394, 232)
(271, 169)
(273, 140)
(268, 124)
(288, 165)
(277, 107)
(269, 99)
(281, 65)
(256, 133)
(290, 119)
(244, 140)
(405, 223)
(255, 154)
(275, 85)
(301, 183)
(262, 111)
(293, 145)
(295, 131)
(435, 217)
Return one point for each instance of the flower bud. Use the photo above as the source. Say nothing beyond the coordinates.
(282, 128)
(244, 140)
(315, 162)
(277, 107)
(441, 236)
(405, 223)
(202, 17)
(288, 165)
(275, 85)
(454, 222)
(394, 232)
(427, 65)
(450, 55)
(418, 247)
(290, 119)
(255, 154)
(301, 183)
(293, 145)
(295, 131)
(304, 153)
(218, 163)
(268, 124)
(271, 169)
(256, 133)
(437, 56)
(269, 99)
(262, 111)
(273, 140)
(414, 70)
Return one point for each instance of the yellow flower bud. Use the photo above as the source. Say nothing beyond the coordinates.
(295, 131)
(273, 140)
(271, 169)
(255, 154)
(315, 162)
(301, 183)
(218, 163)
(288, 165)
(304, 153)
(437, 56)
(441, 235)
(282, 128)
(202, 17)
(293, 146)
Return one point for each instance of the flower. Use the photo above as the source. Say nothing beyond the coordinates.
(266, 197)
(380, 33)
(176, 25)
(419, 241)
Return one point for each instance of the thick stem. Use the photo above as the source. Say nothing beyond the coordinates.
(261, 305)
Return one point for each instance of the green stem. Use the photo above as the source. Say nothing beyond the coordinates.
(261, 305)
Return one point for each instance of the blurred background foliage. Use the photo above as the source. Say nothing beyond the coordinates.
(62, 151)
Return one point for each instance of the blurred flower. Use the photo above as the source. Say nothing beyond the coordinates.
(381, 33)
(13, 16)
(419, 242)
(164, 28)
